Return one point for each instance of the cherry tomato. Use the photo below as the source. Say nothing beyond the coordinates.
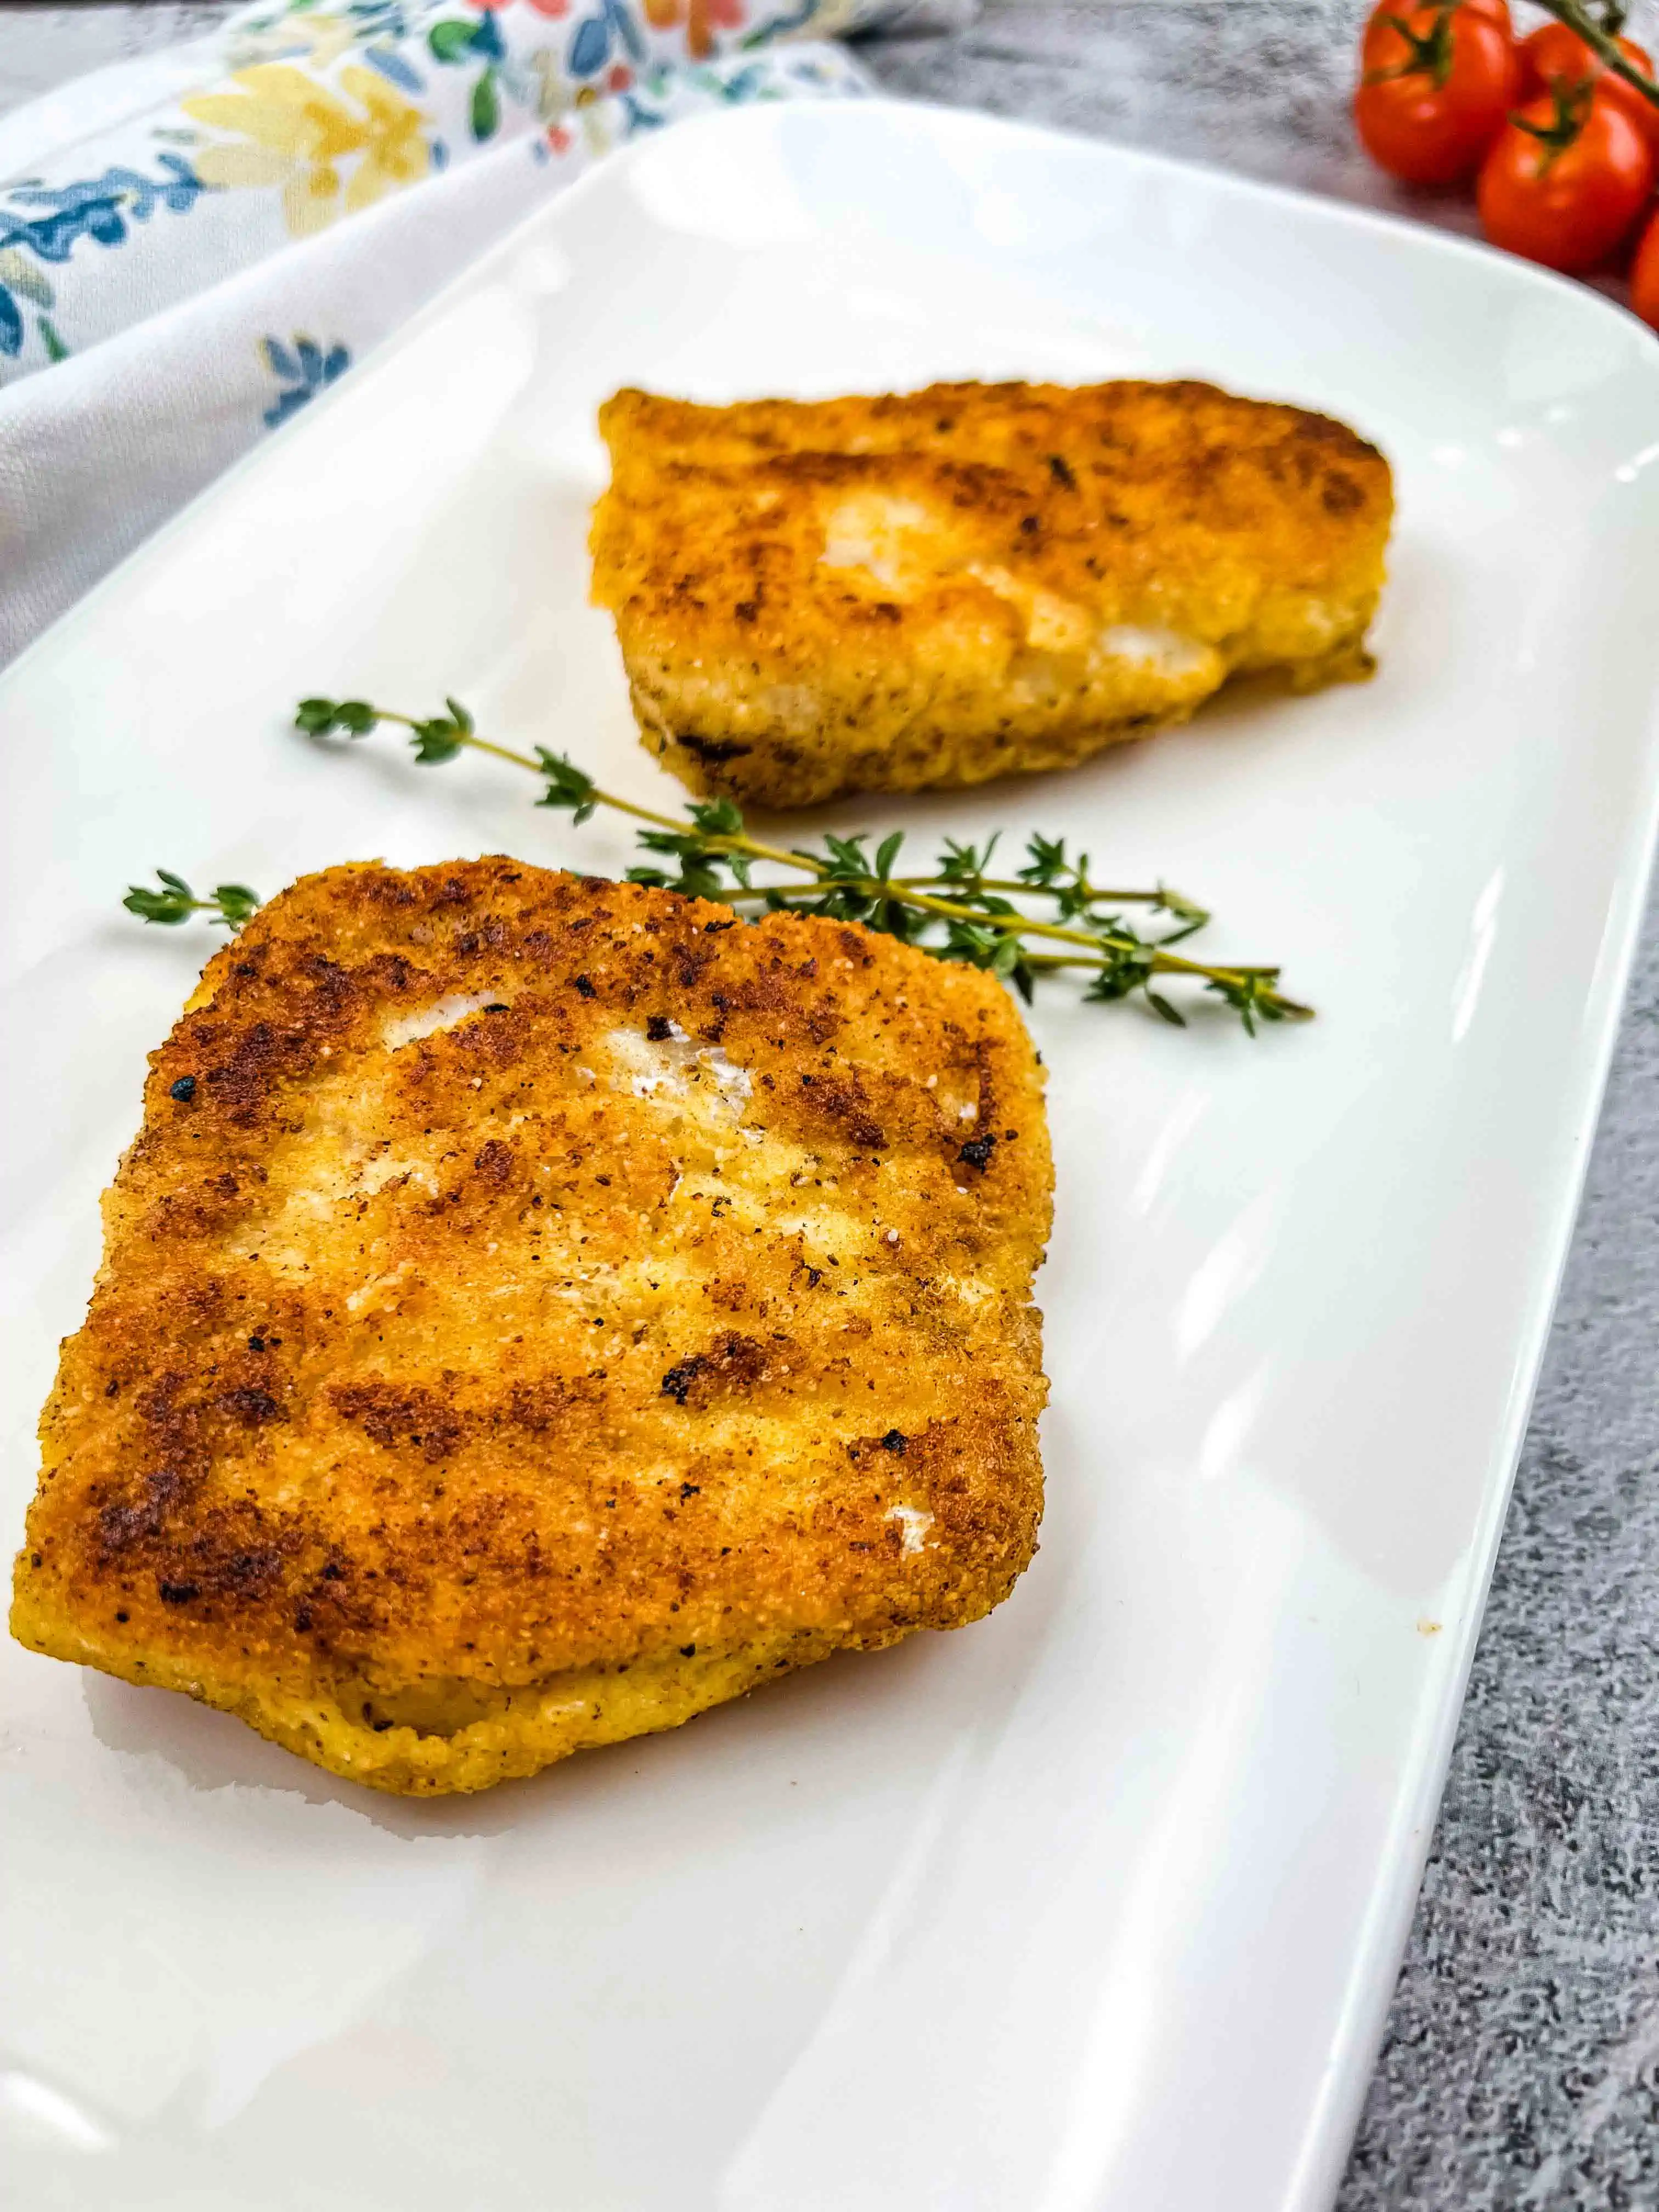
(1554, 55)
(1644, 276)
(1566, 180)
(1436, 84)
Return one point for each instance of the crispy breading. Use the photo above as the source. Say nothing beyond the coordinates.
(934, 589)
(536, 1308)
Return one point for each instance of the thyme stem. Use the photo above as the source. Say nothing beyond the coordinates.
(958, 911)
(750, 846)
(872, 887)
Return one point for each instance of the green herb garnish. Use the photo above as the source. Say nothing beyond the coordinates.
(175, 902)
(958, 911)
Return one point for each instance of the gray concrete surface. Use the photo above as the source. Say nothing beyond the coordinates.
(1520, 2064)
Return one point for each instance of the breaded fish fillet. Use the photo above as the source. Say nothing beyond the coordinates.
(537, 1309)
(886, 594)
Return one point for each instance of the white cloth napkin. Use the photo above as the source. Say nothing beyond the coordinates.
(192, 246)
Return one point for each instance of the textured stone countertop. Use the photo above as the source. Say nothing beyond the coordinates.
(1521, 2065)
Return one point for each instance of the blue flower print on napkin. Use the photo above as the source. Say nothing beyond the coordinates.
(302, 372)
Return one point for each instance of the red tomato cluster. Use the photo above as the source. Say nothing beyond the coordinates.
(1564, 154)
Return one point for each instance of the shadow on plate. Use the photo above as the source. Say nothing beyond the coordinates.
(903, 1706)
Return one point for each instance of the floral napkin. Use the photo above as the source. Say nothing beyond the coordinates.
(192, 246)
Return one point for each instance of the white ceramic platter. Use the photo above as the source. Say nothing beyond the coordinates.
(1099, 1904)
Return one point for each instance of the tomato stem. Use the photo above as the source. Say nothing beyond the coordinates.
(1602, 39)
(1572, 106)
(1430, 51)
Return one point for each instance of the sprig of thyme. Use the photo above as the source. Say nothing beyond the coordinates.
(957, 911)
(175, 902)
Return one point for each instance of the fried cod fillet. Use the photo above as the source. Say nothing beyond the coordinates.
(934, 589)
(536, 1308)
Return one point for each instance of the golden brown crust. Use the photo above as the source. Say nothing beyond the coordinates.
(954, 584)
(453, 1396)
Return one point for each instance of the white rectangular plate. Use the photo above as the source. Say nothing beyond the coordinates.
(1099, 1904)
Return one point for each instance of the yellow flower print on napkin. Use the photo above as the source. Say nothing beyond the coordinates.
(298, 132)
(324, 39)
